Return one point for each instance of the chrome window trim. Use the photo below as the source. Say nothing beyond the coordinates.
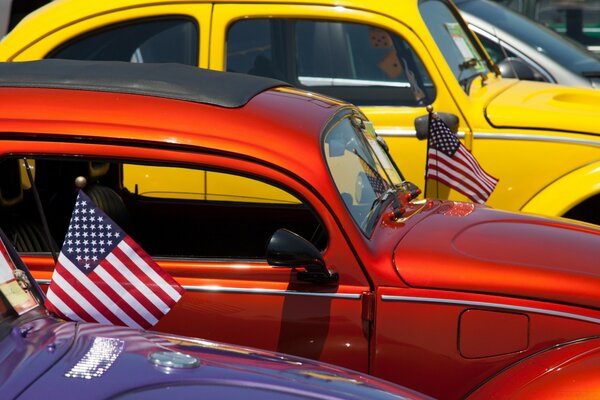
(326, 81)
(535, 310)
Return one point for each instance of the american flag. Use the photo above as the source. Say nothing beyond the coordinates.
(450, 163)
(103, 276)
(377, 183)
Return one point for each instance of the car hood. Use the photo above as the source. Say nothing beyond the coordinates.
(537, 105)
(83, 360)
(466, 247)
(561, 372)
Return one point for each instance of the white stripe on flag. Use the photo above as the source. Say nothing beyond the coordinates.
(486, 180)
(466, 174)
(139, 285)
(124, 293)
(449, 166)
(149, 271)
(449, 181)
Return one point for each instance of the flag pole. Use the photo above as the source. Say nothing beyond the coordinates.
(429, 109)
(38, 204)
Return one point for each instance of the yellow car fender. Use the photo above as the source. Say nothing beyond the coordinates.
(580, 185)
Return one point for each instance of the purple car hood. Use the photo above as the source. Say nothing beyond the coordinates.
(46, 358)
(468, 248)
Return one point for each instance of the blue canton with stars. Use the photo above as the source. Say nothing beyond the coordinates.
(92, 235)
(441, 138)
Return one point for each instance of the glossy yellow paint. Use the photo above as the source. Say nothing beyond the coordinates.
(529, 135)
(582, 183)
(538, 164)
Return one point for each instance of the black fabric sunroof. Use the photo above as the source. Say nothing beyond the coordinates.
(175, 81)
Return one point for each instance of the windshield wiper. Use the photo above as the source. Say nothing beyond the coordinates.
(380, 203)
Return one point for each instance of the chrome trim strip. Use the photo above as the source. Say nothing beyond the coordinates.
(492, 305)
(399, 132)
(535, 138)
(220, 289)
(326, 81)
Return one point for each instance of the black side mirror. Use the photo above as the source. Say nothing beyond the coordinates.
(514, 67)
(289, 250)
(422, 124)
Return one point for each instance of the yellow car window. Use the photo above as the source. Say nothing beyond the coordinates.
(193, 184)
(363, 64)
(142, 41)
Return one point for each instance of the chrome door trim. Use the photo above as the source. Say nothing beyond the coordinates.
(437, 300)
(534, 138)
(222, 289)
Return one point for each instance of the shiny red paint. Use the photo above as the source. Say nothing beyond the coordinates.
(425, 293)
(565, 372)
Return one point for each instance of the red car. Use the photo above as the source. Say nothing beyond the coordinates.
(281, 214)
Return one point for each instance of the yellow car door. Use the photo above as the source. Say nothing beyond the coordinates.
(386, 71)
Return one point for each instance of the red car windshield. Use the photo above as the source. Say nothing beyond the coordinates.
(360, 168)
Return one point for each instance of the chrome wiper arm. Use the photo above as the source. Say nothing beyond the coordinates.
(380, 202)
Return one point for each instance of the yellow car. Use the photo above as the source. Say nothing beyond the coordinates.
(390, 57)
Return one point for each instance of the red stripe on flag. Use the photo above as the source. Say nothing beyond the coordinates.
(443, 178)
(456, 179)
(133, 291)
(463, 172)
(484, 178)
(69, 302)
(90, 296)
(157, 290)
(123, 305)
